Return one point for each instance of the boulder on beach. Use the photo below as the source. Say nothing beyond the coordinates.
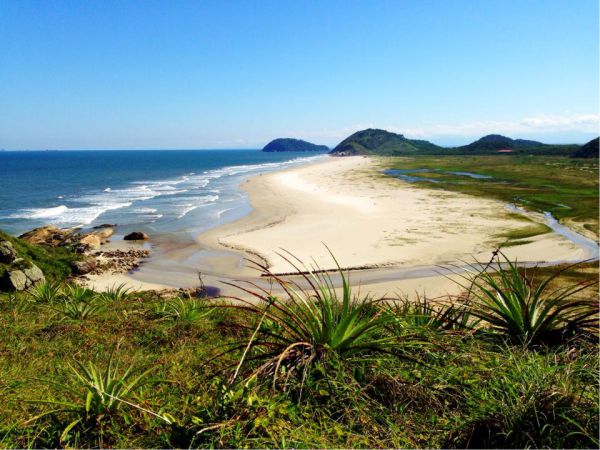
(136, 236)
(104, 233)
(90, 242)
(84, 267)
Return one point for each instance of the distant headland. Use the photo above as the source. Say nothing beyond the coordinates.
(293, 145)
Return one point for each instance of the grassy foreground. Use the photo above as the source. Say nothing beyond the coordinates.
(310, 369)
(565, 187)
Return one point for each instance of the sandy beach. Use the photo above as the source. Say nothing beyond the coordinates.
(367, 219)
(394, 235)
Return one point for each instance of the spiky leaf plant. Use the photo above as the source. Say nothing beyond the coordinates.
(425, 313)
(116, 293)
(46, 293)
(95, 394)
(182, 310)
(310, 323)
(528, 313)
(78, 303)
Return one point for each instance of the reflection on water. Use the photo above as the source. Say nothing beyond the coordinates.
(403, 175)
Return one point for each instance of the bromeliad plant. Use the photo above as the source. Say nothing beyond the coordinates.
(529, 313)
(424, 313)
(116, 293)
(47, 293)
(312, 323)
(186, 311)
(78, 303)
(102, 392)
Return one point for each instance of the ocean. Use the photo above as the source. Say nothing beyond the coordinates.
(156, 191)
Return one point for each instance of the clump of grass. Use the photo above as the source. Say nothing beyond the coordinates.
(426, 313)
(530, 402)
(96, 394)
(47, 293)
(116, 293)
(528, 313)
(309, 325)
(78, 303)
(181, 310)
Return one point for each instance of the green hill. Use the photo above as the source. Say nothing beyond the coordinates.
(496, 143)
(385, 143)
(293, 145)
(589, 150)
(381, 142)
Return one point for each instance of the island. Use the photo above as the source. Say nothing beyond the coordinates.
(293, 145)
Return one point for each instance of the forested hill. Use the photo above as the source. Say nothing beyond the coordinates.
(381, 142)
(293, 145)
(385, 143)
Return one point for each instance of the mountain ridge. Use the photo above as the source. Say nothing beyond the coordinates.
(373, 141)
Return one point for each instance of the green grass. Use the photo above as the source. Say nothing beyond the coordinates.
(55, 262)
(170, 383)
(566, 187)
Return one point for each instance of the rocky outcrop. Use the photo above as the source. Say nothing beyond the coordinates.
(104, 233)
(88, 242)
(49, 235)
(55, 237)
(16, 274)
(117, 261)
(21, 276)
(136, 236)
(7, 252)
(83, 267)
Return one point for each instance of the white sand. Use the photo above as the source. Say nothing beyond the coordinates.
(368, 220)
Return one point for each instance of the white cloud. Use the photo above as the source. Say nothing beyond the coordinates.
(584, 123)
(536, 125)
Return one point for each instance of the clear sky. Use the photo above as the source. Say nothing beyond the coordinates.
(236, 74)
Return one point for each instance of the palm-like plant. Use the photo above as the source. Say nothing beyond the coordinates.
(46, 293)
(509, 301)
(426, 313)
(116, 293)
(78, 303)
(183, 310)
(311, 324)
(104, 392)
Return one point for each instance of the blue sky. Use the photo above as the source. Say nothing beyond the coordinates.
(236, 74)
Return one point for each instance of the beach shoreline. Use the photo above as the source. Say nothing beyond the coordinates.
(394, 236)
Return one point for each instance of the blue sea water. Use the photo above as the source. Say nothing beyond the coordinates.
(153, 190)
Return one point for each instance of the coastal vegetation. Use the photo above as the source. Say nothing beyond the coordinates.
(565, 187)
(305, 365)
(385, 143)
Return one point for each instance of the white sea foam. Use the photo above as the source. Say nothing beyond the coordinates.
(182, 194)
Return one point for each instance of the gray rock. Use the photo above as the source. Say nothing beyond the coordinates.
(34, 274)
(83, 267)
(15, 279)
(7, 252)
